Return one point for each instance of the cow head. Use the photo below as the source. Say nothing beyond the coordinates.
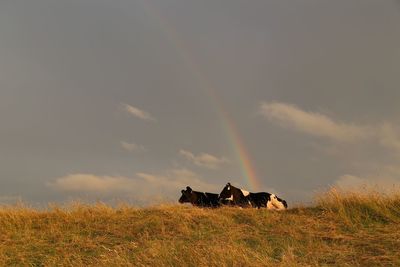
(226, 193)
(186, 194)
(278, 203)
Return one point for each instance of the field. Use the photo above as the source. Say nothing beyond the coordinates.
(338, 230)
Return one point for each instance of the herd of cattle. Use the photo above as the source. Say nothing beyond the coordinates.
(232, 196)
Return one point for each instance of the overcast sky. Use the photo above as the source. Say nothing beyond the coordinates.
(105, 100)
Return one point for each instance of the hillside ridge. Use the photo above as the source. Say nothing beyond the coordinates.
(340, 230)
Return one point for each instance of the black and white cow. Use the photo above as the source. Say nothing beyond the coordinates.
(236, 196)
(244, 198)
(267, 200)
(199, 199)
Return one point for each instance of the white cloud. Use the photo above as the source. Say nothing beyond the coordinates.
(82, 182)
(312, 123)
(10, 199)
(380, 174)
(177, 179)
(350, 182)
(204, 160)
(389, 136)
(132, 147)
(387, 181)
(386, 134)
(168, 183)
(138, 113)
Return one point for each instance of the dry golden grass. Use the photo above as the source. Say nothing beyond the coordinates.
(340, 230)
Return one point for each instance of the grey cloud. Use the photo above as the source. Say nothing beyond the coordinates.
(80, 79)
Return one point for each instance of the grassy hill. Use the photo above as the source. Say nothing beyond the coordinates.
(340, 230)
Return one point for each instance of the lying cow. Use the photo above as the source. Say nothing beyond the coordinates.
(267, 200)
(199, 199)
(236, 196)
(244, 198)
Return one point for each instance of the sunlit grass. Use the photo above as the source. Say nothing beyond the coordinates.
(341, 229)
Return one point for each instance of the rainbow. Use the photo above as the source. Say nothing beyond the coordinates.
(247, 168)
(235, 139)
